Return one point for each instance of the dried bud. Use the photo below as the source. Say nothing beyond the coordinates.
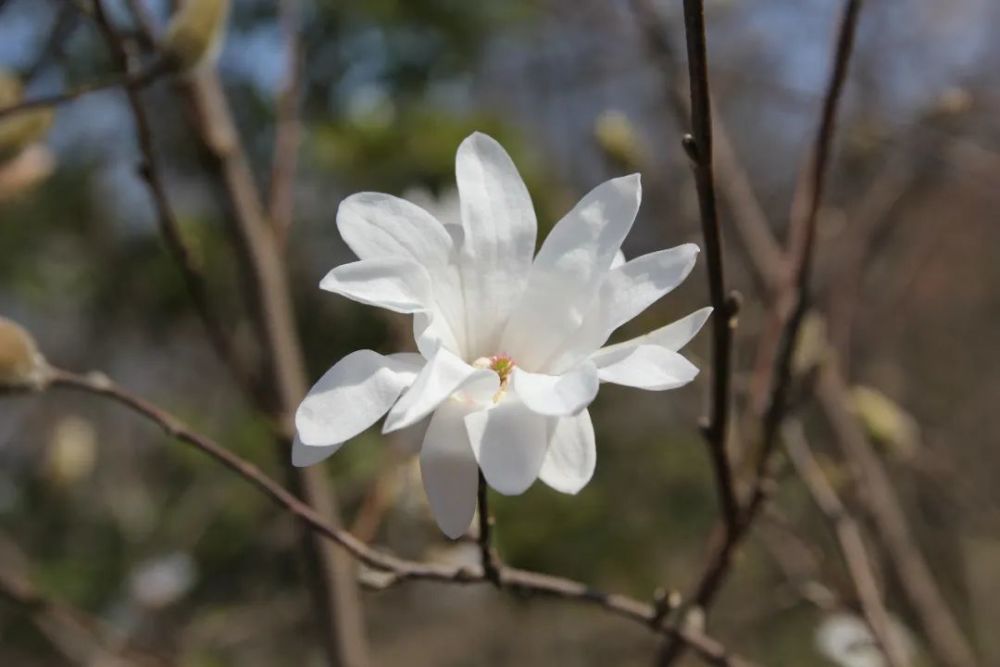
(195, 34)
(617, 137)
(21, 364)
(72, 451)
(886, 422)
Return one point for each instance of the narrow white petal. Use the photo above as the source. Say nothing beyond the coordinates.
(376, 225)
(431, 331)
(650, 367)
(673, 336)
(352, 396)
(572, 455)
(499, 227)
(568, 270)
(304, 456)
(625, 293)
(509, 441)
(618, 260)
(557, 395)
(393, 283)
(449, 469)
(444, 375)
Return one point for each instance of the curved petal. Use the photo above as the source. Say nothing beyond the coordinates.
(625, 293)
(449, 469)
(673, 337)
(499, 227)
(379, 226)
(569, 464)
(509, 441)
(393, 283)
(304, 456)
(443, 375)
(557, 395)
(376, 225)
(352, 396)
(569, 268)
(650, 367)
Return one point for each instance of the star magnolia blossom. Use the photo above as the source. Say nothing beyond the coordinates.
(510, 345)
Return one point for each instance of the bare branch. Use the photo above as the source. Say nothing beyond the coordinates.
(945, 637)
(133, 81)
(789, 310)
(522, 581)
(288, 125)
(852, 544)
(492, 568)
(166, 219)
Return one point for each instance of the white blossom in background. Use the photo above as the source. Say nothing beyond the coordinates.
(163, 580)
(847, 640)
(510, 343)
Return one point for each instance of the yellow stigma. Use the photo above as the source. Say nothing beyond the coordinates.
(502, 365)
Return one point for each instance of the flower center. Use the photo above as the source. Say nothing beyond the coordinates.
(502, 365)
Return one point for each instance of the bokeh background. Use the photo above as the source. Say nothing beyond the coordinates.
(184, 563)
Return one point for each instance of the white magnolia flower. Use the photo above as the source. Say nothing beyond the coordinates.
(510, 342)
(847, 640)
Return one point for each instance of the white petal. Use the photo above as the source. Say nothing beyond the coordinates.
(650, 367)
(449, 469)
(569, 463)
(377, 225)
(557, 395)
(304, 456)
(444, 375)
(499, 227)
(633, 287)
(396, 284)
(568, 270)
(509, 441)
(625, 293)
(352, 396)
(673, 336)
(618, 260)
(431, 331)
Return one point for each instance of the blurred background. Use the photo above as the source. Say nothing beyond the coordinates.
(158, 556)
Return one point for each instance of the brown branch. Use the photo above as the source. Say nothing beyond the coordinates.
(492, 567)
(850, 540)
(167, 221)
(400, 569)
(945, 637)
(130, 80)
(269, 298)
(789, 311)
(334, 589)
(766, 261)
(288, 125)
(78, 636)
(698, 146)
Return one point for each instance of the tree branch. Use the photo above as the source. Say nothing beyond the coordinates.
(491, 563)
(400, 569)
(852, 544)
(789, 310)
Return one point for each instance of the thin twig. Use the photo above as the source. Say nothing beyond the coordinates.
(288, 131)
(766, 260)
(133, 81)
(790, 310)
(852, 544)
(492, 567)
(522, 581)
(698, 146)
(945, 637)
(169, 226)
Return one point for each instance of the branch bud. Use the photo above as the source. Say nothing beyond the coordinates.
(195, 33)
(21, 364)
